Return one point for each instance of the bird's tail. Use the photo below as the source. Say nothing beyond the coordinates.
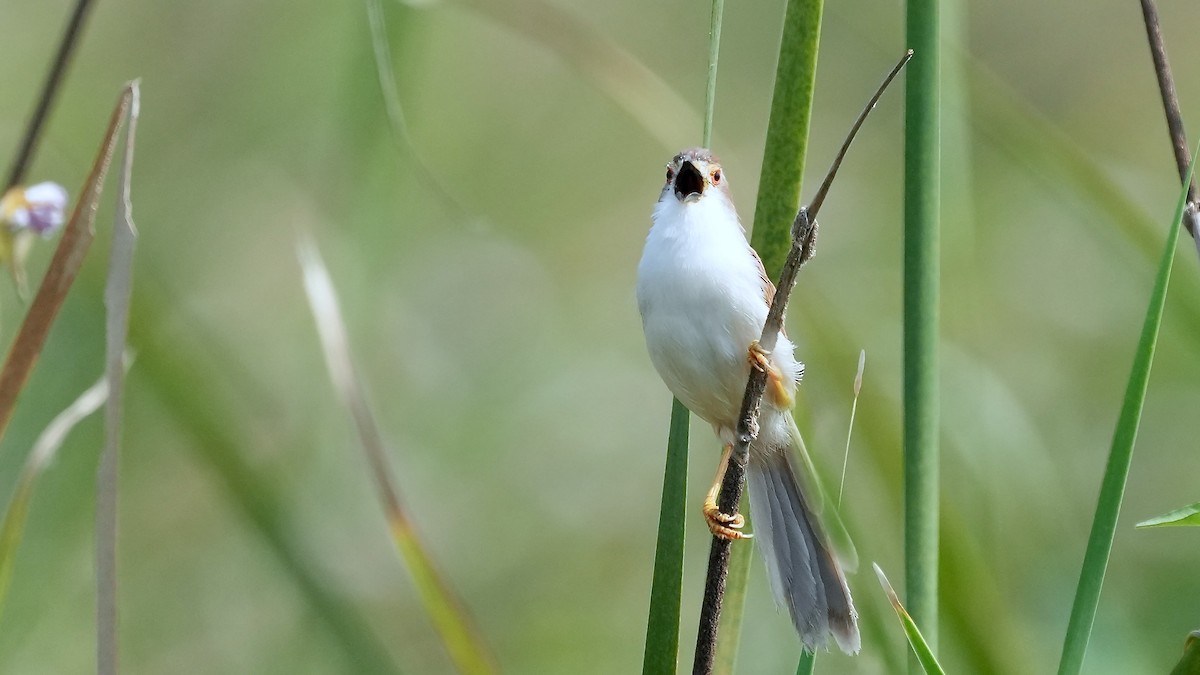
(793, 520)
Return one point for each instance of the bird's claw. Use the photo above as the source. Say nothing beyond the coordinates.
(760, 360)
(759, 357)
(724, 525)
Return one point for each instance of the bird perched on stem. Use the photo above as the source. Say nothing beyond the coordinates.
(704, 297)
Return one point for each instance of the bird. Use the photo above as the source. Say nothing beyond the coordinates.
(703, 296)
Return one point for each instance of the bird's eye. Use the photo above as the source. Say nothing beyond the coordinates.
(670, 173)
(716, 177)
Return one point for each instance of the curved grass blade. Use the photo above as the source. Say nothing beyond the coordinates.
(463, 641)
(172, 368)
(382, 53)
(64, 267)
(1190, 663)
(117, 291)
(920, 647)
(42, 454)
(1112, 488)
(1187, 516)
(602, 63)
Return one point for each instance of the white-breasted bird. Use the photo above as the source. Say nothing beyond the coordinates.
(704, 297)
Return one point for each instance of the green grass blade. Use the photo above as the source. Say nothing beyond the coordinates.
(808, 662)
(662, 627)
(1187, 516)
(920, 646)
(462, 640)
(714, 50)
(42, 454)
(1190, 663)
(1112, 489)
(118, 291)
(922, 176)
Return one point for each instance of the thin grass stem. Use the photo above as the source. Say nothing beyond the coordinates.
(862, 362)
(50, 89)
(714, 50)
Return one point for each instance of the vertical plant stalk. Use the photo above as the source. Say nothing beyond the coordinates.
(37, 121)
(922, 177)
(1112, 488)
(661, 656)
(714, 51)
(786, 145)
(117, 293)
(1170, 100)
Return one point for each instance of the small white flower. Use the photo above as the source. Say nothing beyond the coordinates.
(40, 208)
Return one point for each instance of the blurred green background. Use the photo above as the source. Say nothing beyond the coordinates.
(494, 320)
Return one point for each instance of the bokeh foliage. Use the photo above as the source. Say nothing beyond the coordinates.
(502, 345)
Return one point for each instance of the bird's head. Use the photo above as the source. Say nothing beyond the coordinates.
(694, 173)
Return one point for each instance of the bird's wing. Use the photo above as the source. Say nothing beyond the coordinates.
(767, 286)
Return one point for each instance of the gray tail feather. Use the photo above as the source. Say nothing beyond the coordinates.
(804, 574)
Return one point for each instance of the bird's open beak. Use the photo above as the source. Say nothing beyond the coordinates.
(689, 182)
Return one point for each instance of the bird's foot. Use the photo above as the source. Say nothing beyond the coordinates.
(760, 359)
(724, 525)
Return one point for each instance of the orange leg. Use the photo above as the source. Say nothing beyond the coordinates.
(760, 359)
(722, 524)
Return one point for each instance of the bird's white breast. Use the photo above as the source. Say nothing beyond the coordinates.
(702, 302)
